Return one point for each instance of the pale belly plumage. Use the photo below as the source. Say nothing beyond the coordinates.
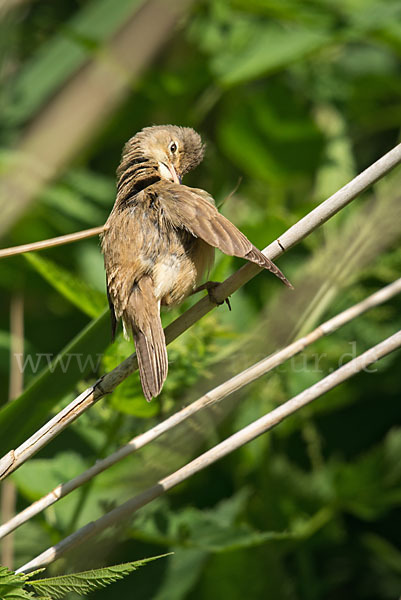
(175, 275)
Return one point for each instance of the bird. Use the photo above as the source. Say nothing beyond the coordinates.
(160, 239)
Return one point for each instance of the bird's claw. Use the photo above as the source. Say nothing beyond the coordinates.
(213, 298)
(210, 286)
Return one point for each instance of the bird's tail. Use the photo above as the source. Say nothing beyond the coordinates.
(142, 316)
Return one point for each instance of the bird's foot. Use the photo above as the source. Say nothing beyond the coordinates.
(210, 286)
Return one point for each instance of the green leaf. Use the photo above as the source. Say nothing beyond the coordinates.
(267, 49)
(92, 185)
(385, 552)
(90, 301)
(66, 201)
(337, 167)
(183, 570)
(12, 586)
(39, 475)
(371, 486)
(270, 135)
(88, 581)
(213, 530)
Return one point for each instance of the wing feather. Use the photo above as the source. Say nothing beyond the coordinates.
(186, 208)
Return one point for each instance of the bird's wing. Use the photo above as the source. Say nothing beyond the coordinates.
(122, 240)
(112, 314)
(186, 208)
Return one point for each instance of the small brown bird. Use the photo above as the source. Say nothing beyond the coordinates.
(159, 240)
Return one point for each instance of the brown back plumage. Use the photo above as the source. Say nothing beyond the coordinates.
(159, 239)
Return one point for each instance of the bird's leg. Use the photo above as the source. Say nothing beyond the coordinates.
(210, 286)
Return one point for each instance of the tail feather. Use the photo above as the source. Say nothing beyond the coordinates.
(143, 316)
(152, 363)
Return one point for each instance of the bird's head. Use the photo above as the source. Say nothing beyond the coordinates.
(176, 150)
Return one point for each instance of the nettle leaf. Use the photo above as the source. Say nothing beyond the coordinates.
(211, 531)
(182, 573)
(370, 486)
(12, 586)
(88, 581)
(87, 299)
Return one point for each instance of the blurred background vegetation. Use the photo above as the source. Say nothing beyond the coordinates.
(293, 99)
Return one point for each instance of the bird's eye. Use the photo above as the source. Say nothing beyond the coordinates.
(173, 147)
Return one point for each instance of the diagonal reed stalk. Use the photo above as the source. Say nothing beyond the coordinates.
(235, 441)
(14, 458)
(210, 399)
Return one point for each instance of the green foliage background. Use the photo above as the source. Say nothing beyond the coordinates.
(293, 99)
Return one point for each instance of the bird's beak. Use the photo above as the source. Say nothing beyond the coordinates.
(167, 171)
